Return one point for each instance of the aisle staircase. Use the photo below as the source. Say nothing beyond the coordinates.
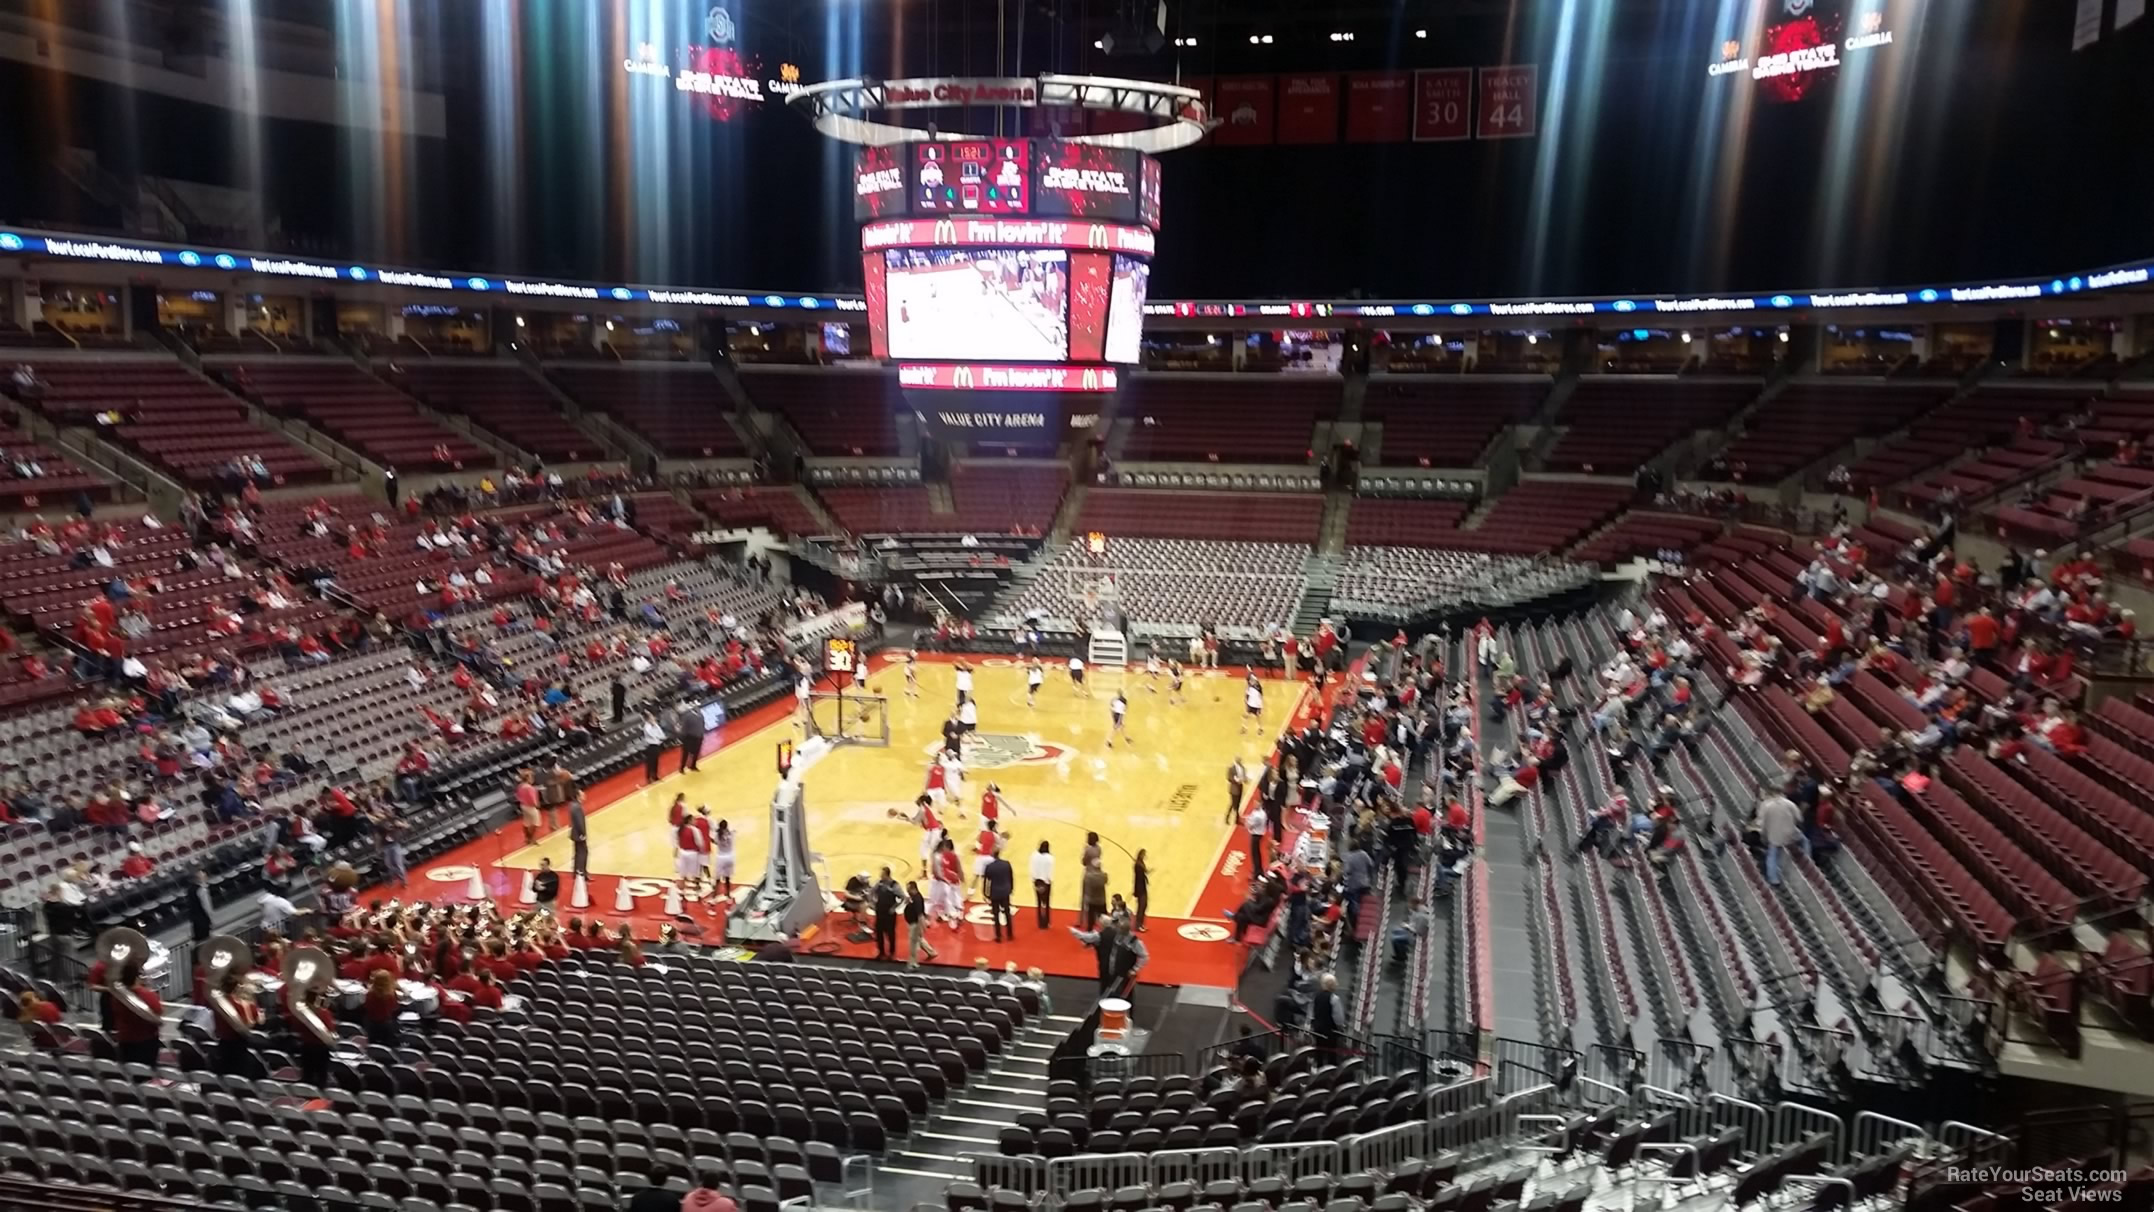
(940, 1148)
(1319, 577)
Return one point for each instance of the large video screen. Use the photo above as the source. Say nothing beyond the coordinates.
(1090, 274)
(878, 183)
(874, 273)
(987, 176)
(1088, 181)
(1125, 311)
(982, 304)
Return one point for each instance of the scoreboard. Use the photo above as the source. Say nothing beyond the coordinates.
(1045, 177)
(988, 176)
(1017, 266)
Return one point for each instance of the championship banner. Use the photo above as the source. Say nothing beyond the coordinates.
(1308, 109)
(1441, 104)
(1245, 108)
(1509, 103)
(1379, 107)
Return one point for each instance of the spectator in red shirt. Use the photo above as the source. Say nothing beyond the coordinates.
(1982, 635)
(381, 1009)
(137, 1034)
(37, 1016)
(137, 864)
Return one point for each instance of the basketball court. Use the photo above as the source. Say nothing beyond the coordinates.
(1163, 793)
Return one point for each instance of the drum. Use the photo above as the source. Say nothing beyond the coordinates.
(1113, 1018)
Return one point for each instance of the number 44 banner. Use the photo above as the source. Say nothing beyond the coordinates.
(1509, 105)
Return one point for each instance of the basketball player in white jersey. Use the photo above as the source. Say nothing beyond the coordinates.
(1118, 709)
(1034, 675)
(964, 682)
(1174, 683)
(1151, 670)
(912, 675)
(1252, 706)
(968, 717)
(1077, 677)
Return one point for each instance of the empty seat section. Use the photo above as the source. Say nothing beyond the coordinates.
(171, 418)
(1975, 447)
(504, 398)
(1612, 425)
(1135, 513)
(1808, 421)
(681, 410)
(835, 412)
(1209, 419)
(778, 507)
(33, 475)
(357, 409)
(1445, 422)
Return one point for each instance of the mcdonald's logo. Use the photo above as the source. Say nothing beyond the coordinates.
(1097, 237)
(1091, 380)
(945, 231)
(961, 377)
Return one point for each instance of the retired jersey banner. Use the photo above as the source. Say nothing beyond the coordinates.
(1379, 107)
(1509, 106)
(1308, 109)
(1443, 101)
(1243, 105)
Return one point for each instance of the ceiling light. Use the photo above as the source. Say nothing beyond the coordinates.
(1191, 41)
(1253, 39)
(519, 321)
(1342, 36)
(1421, 33)
(1097, 44)
(1532, 339)
(1783, 336)
(1686, 338)
(1266, 39)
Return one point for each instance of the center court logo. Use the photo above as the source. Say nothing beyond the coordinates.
(999, 750)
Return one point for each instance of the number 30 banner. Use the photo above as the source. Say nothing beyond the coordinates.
(1442, 101)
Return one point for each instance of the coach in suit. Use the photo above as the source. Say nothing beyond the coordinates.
(691, 735)
(579, 836)
(999, 880)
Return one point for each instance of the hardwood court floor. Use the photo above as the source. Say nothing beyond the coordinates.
(1165, 794)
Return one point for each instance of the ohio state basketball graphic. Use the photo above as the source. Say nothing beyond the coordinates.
(997, 750)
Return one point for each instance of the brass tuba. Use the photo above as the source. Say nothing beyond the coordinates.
(307, 972)
(219, 957)
(119, 947)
